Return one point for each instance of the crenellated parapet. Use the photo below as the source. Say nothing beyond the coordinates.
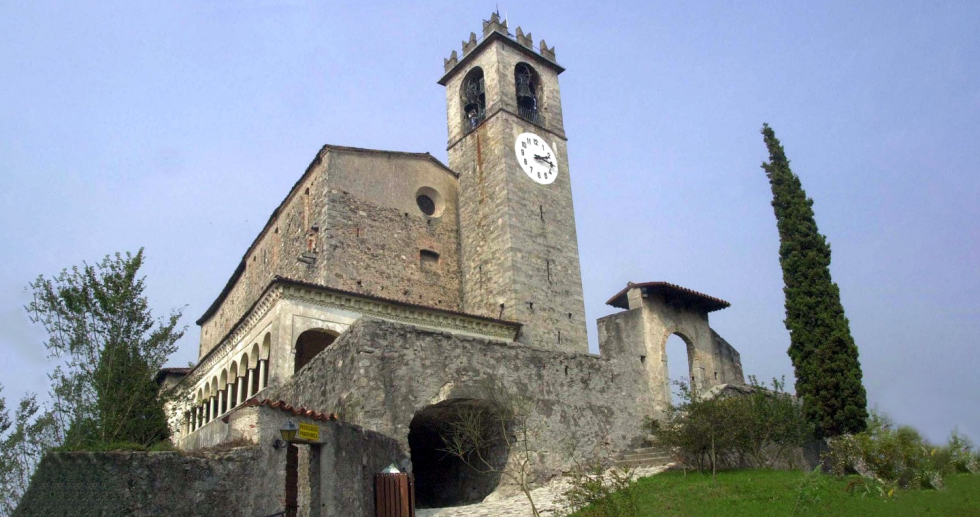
(494, 25)
(448, 64)
(497, 26)
(468, 46)
(547, 53)
(526, 41)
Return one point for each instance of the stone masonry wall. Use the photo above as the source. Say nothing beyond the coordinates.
(276, 252)
(379, 374)
(641, 334)
(376, 250)
(338, 478)
(729, 362)
(353, 223)
(138, 484)
(518, 240)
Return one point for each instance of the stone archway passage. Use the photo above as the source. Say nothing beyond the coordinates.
(678, 367)
(442, 479)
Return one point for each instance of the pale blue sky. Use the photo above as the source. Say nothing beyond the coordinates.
(179, 126)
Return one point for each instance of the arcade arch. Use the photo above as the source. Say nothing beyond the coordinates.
(310, 343)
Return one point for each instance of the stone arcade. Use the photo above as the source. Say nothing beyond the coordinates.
(388, 287)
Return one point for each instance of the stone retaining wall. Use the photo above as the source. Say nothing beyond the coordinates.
(380, 374)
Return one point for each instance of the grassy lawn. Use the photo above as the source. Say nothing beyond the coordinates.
(765, 492)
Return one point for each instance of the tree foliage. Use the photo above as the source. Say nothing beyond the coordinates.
(23, 439)
(108, 346)
(757, 428)
(824, 356)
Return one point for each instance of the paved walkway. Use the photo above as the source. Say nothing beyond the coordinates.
(545, 498)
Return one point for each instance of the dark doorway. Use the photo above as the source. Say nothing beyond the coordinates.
(309, 344)
(442, 479)
(292, 480)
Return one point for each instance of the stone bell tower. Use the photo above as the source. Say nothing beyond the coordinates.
(518, 247)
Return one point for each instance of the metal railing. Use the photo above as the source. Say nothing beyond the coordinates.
(529, 114)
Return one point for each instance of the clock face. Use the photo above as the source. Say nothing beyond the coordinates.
(536, 158)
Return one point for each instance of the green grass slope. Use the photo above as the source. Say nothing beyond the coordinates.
(766, 492)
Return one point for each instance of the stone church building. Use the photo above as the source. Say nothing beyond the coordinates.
(388, 288)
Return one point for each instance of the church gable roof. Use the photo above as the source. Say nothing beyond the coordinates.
(326, 149)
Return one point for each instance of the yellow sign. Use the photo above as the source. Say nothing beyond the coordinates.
(308, 433)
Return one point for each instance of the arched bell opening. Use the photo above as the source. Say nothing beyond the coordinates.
(474, 98)
(444, 479)
(526, 83)
(311, 343)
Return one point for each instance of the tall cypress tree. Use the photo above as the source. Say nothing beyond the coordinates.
(825, 358)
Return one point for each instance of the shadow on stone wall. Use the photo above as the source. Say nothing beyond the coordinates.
(229, 483)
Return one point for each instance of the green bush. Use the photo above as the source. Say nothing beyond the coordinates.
(964, 458)
(899, 455)
(755, 428)
(595, 492)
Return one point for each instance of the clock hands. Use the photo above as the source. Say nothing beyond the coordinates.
(545, 159)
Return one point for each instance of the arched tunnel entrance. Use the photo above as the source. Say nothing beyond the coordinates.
(443, 478)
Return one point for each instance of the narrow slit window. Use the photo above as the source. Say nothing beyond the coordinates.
(428, 260)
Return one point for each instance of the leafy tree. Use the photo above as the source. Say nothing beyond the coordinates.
(825, 358)
(109, 345)
(704, 431)
(23, 440)
(774, 423)
(754, 426)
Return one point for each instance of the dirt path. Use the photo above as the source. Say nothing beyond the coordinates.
(545, 498)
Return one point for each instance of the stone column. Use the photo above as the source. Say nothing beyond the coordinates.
(262, 374)
(251, 375)
(221, 403)
(229, 396)
(241, 390)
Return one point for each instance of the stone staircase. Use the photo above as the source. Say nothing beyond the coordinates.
(644, 457)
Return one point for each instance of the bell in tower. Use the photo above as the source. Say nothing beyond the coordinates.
(527, 99)
(474, 98)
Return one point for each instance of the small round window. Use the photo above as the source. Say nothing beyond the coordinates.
(430, 201)
(426, 204)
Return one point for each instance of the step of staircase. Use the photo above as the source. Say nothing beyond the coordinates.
(644, 457)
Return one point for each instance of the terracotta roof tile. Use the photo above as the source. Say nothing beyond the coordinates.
(688, 296)
(283, 406)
